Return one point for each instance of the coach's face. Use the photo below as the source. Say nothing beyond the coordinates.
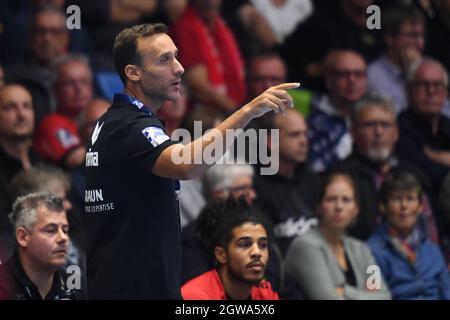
(159, 71)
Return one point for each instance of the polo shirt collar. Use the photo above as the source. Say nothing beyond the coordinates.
(125, 98)
(27, 285)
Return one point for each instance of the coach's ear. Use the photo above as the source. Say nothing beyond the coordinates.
(132, 72)
(221, 255)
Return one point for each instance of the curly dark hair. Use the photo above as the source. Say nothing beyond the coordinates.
(217, 221)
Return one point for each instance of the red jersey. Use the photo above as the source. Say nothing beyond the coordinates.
(215, 48)
(56, 136)
(208, 286)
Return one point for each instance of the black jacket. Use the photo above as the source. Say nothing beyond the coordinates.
(415, 134)
(15, 284)
(289, 204)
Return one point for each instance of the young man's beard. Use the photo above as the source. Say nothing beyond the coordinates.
(235, 276)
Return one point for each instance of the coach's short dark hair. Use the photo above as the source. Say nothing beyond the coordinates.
(125, 45)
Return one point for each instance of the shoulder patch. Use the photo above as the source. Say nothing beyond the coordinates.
(155, 135)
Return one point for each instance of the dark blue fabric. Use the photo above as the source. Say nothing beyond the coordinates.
(325, 132)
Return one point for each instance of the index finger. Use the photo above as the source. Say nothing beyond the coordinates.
(287, 86)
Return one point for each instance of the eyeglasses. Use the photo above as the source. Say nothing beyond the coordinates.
(412, 35)
(75, 82)
(241, 189)
(52, 31)
(437, 86)
(273, 79)
(373, 124)
(345, 74)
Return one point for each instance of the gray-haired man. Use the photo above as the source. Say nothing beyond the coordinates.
(41, 229)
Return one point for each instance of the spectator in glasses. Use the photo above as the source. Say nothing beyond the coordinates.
(375, 135)
(48, 39)
(424, 131)
(329, 135)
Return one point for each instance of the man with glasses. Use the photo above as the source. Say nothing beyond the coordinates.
(265, 70)
(424, 131)
(49, 39)
(346, 81)
(375, 134)
(404, 36)
(57, 138)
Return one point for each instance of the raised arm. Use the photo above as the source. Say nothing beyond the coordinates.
(275, 98)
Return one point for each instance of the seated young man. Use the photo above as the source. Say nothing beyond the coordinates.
(35, 270)
(410, 262)
(238, 238)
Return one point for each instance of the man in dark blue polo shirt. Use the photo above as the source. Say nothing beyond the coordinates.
(132, 178)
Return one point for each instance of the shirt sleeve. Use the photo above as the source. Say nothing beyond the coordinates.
(146, 142)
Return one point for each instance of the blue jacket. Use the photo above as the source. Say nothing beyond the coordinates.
(427, 278)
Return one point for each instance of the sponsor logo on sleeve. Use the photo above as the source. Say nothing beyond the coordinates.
(155, 135)
(138, 104)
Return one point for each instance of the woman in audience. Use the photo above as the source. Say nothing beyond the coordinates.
(411, 263)
(325, 263)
